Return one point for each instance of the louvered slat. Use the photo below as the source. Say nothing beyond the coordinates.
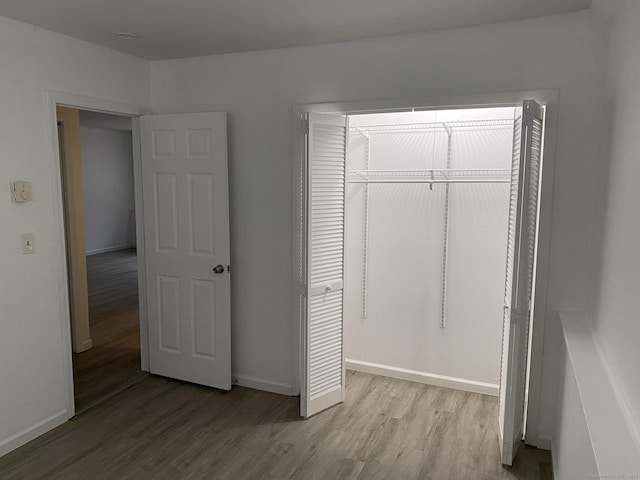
(325, 336)
(530, 224)
(327, 202)
(511, 238)
(521, 250)
(326, 193)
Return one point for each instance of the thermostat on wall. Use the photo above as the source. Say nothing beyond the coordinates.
(21, 191)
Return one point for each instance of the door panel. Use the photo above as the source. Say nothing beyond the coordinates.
(522, 241)
(324, 358)
(201, 194)
(166, 210)
(512, 236)
(204, 305)
(169, 313)
(186, 223)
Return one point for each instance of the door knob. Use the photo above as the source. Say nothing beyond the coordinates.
(218, 269)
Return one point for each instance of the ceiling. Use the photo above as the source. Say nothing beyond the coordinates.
(187, 28)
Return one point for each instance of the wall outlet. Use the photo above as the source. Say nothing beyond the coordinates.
(28, 243)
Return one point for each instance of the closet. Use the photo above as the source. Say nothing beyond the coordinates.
(418, 238)
(426, 245)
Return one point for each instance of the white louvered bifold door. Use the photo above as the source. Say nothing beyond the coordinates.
(325, 233)
(521, 248)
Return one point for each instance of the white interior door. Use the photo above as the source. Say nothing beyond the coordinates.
(323, 382)
(521, 248)
(186, 227)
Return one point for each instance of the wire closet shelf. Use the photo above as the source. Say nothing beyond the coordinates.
(431, 176)
(419, 127)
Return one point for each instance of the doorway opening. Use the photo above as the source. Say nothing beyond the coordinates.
(96, 155)
(182, 248)
(419, 234)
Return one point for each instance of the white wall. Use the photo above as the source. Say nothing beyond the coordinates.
(258, 89)
(406, 227)
(573, 455)
(107, 182)
(617, 317)
(32, 392)
(592, 436)
(566, 52)
(597, 431)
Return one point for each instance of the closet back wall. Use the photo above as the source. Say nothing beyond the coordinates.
(405, 250)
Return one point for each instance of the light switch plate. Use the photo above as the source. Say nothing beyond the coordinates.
(28, 243)
(21, 191)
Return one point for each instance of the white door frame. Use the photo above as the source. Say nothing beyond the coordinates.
(547, 98)
(53, 99)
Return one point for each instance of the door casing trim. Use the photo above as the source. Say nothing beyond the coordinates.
(547, 98)
(66, 99)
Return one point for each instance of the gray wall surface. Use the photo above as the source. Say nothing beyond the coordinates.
(107, 181)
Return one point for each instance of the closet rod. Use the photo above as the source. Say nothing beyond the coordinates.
(429, 182)
(431, 176)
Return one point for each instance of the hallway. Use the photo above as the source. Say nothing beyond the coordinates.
(113, 363)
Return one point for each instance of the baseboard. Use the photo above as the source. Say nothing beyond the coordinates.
(98, 251)
(261, 384)
(24, 436)
(86, 345)
(422, 377)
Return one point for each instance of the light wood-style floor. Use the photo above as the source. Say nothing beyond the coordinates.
(155, 428)
(386, 429)
(113, 363)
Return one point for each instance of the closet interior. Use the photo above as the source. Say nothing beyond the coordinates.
(427, 216)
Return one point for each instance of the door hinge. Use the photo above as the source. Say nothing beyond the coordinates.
(305, 126)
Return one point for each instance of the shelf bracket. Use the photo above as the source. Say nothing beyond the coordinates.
(362, 132)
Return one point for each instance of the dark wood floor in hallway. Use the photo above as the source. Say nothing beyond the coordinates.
(386, 429)
(113, 363)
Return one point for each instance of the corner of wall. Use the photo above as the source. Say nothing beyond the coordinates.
(33, 431)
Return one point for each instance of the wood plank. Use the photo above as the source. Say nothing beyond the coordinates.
(113, 364)
(386, 429)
